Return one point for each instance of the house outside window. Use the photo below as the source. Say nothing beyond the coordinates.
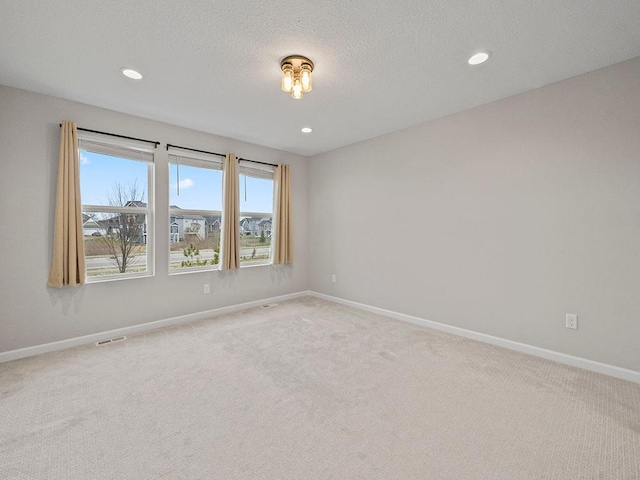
(256, 213)
(195, 211)
(116, 185)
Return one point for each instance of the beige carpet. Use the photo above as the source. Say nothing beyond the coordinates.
(311, 390)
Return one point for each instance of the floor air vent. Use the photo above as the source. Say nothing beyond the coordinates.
(270, 305)
(111, 340)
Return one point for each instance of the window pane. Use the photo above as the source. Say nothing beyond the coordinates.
(195, 188)
(255, 239)
(194, 217)
(115, 243)
(194, 239)
(256, 194)
(256, 218)
(113, 181)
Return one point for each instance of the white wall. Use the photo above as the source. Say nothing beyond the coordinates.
(33, 314)
(500, 219)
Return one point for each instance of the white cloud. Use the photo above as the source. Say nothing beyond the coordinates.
(83, 160)
(186, 183)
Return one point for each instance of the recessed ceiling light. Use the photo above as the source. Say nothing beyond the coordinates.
(128, 72)
(479, 58)
(306, 130)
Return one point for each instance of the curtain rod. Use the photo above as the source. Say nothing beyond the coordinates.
(155, 144)
(195, 150)
(255, 161)
(218, 154)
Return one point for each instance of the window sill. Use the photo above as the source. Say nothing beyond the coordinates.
(257, 265)
(185, 271)
(118, 277)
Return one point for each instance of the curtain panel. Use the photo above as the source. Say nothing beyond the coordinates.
(230, 241)
(68, 262)
(283, 247)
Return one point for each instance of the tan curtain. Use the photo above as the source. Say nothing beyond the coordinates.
(283, 247)
(67, 264)
(230, 243)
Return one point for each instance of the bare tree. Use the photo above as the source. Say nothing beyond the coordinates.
(124, 231)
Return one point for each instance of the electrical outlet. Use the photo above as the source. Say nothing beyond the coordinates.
(206, 288)
(333, 278)
(571, 321)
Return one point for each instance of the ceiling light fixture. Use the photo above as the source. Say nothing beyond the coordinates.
(296, 75)
(129, 72)
(479, 58)
(306, 130)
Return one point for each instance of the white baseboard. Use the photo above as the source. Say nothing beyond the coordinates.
(611, 370)
(144, 327)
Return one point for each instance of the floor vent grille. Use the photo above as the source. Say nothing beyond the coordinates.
(111, 340)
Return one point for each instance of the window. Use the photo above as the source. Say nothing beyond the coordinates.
(195, 211)
(116, 185)
(256, 213)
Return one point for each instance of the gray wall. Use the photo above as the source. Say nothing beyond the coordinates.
(33, 314)
(499, 219)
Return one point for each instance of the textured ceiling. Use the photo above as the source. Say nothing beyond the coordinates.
(379, 66)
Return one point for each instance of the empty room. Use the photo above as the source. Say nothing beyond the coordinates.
(320, 240)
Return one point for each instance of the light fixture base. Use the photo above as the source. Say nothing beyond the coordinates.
(296, 61)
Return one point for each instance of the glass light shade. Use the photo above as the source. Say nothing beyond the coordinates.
(296, 75)
(297, 89)
(287, 79)
(305, 78)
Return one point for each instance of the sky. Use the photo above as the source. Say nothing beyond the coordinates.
(199, 188)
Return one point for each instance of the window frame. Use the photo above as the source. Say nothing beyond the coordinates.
(197, 160)
(131, 150)
(261, 171)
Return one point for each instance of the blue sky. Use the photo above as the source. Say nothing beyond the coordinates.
(200, 188)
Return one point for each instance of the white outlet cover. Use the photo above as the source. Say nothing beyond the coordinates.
(571, 321)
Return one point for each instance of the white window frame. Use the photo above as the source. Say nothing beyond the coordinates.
(258, 170)
(178, 156)
(135, 151)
